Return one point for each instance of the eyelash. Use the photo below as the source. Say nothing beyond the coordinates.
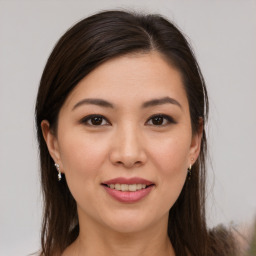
(86, 119)
(168, 119)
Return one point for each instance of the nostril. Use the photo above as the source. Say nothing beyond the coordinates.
(128, 164)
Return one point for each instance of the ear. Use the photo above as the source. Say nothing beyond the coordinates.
(51, 141)
(196, 143)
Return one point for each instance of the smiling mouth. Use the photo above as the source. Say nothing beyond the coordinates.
(128, 187)
(128, 190)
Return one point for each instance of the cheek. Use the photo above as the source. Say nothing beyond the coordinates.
(171, 154)
(82, 156)
(170, 160)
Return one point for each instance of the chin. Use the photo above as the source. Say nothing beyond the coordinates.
(129, 222)
(128, 227)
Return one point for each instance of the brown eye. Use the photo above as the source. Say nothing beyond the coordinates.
(97, 120)
(160, 120)
(94, 120)
(157, 120)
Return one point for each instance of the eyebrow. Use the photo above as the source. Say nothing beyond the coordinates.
(98, 102)
(161, 101)
(150, 103)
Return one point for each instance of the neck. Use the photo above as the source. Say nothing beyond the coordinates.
(102, 241)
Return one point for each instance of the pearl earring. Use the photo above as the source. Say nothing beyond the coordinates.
(58, 169)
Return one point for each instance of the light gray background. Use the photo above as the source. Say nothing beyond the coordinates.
(223, 35)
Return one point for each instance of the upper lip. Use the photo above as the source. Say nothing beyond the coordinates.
(122, 180)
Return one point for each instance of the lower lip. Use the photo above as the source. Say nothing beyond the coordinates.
(128, 196)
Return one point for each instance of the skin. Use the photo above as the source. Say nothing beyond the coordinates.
(126, 144)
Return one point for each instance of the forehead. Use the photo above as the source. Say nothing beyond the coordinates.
(136, 78)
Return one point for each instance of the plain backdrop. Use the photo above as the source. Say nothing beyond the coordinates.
(223, 36)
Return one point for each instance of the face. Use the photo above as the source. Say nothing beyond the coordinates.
(124, 141)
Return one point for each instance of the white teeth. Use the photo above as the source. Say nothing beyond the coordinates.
(127, 187)
(117, 186)
(132, 187)
(138, 186)
(124, 187)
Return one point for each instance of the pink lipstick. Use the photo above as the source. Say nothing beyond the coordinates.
(128, 190)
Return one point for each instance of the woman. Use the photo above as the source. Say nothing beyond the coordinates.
(120, 114)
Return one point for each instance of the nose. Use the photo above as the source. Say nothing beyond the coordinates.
(127, 149)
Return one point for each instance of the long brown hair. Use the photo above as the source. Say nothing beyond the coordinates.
(81, 49)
